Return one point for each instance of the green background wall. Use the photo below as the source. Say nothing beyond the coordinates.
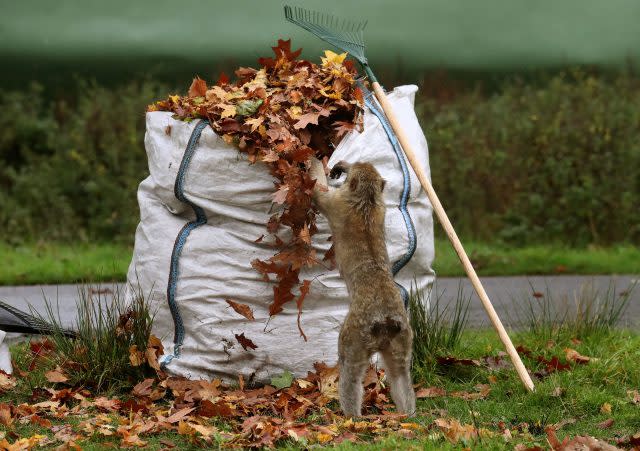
(117, 39)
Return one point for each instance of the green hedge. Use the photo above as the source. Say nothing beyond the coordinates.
(70, 168)
(552, 162)
(557, 160)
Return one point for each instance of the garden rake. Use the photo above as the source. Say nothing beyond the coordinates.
(348, 36)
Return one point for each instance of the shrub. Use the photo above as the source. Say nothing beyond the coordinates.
(70, 169)
(557, 161)
(550, 160)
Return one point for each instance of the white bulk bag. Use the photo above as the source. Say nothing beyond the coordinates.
(192, 255)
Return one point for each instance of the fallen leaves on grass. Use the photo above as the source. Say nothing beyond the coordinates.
(606, 424)
(630, 441)
(577, 443)
(56, 376)
(254, 417)
(482, 391)
(455, 431)
(574, 356)
(7, 382)
(430, 392)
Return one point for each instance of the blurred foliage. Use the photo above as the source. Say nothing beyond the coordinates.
(555, 160)
(69, 168)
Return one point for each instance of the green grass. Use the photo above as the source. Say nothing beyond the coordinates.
(576, 395)
(64, 263)
(498, 260)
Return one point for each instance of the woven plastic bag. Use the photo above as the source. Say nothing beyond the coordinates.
(201, 210)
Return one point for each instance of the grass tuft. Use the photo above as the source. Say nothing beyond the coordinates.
(107, 328)
(590, 312)
(437, 328)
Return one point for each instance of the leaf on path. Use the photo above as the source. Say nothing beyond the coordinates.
(241, 309)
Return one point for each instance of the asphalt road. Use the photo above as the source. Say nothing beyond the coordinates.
(508, 295)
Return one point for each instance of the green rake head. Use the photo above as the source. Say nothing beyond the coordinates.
(341, 33)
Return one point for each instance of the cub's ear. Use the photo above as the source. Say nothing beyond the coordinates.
(383, 182)
(353, 184)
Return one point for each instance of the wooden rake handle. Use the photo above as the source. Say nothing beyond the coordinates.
(453, 237)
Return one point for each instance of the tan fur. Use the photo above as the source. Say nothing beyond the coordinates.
(377, 320)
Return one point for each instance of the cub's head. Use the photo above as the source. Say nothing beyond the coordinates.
(363, 186)
(365, 180)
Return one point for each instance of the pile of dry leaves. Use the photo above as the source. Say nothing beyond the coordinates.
(281, 115)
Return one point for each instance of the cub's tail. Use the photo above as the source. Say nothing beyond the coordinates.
(388, 328)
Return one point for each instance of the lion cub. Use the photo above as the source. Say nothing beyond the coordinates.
(377, 320)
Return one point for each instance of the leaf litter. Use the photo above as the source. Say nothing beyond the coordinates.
(214, 413)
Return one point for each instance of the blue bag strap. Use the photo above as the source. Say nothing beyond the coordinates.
(181, 239)
(406, 189)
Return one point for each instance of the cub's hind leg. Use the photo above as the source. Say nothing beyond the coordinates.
(353, 362)
(396, 359)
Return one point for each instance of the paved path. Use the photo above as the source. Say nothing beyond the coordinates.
(509, 294)
(506, 294)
